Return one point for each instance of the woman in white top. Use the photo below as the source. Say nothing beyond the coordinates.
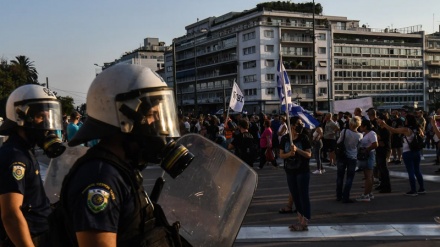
(367, 158)
(410, 158)
(351, 138)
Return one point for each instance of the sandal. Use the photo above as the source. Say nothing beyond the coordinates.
(285, 210)
(298, 228)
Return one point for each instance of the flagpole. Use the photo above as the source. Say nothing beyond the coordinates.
(285, 99)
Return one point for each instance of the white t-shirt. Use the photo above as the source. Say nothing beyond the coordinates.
(368, 139)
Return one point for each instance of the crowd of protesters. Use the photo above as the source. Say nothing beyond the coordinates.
(373, 140)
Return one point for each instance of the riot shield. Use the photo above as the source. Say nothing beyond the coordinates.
(57, 170)
(211, 197)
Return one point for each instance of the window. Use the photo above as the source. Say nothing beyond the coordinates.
(322, 90)
(270, 77)
(323, 77)
(250, 78)
(321, 50)
(268, 33)
(270, 91)
(269, 48)
(250, 64)
(252, 91)
(338, 49)
(270, 63)
(248, 36)
(249, 50)
(169, 68)
(321, 36)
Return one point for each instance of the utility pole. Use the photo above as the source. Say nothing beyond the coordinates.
(47, 82)
(174, 75)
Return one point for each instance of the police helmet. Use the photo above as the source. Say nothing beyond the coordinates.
(32, 106)
(127, 98)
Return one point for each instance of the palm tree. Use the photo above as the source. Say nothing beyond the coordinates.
(24, 70)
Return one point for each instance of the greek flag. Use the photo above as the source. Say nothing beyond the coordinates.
(283, 86)
(309, 121)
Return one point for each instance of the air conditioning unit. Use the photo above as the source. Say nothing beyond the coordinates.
(320, 94)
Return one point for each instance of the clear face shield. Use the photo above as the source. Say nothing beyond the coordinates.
(151, 119)
(41, 118)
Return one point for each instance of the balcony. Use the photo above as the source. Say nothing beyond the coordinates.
(433, 63)
(296, 39)
(434, 75)
(297, 54)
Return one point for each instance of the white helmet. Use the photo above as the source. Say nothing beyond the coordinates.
(124, 98)
(32, 106)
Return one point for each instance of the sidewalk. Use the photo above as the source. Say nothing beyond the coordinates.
(389, 217)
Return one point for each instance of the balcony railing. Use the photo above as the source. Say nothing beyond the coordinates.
(299, 54)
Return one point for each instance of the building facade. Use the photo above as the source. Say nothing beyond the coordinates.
(150, 55)
(327, 58)
(432, 72)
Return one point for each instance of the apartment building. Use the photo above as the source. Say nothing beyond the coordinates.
(150, 55)
(432, 70)
(327, 58)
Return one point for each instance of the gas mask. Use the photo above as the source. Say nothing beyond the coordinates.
(40, 120)
(47, 140)
(150, 120)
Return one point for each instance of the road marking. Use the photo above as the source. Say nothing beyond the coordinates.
(338, 232)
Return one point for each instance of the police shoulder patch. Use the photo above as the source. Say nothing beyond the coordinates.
(97, 199)
(18, 170)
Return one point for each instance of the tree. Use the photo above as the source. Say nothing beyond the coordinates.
(24, 71)
(66, 104)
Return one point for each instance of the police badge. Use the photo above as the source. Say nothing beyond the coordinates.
(97, 199)
(18, 172)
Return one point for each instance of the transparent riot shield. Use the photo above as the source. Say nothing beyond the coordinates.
(211, 197)
(57, 170)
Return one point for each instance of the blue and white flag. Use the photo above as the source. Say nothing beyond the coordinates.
(309, 121)
(283, 86)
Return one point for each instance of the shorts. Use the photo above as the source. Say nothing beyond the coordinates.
(396, 142)
(369, 163)
(329, 145)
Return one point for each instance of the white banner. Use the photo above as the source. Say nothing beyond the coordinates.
(350, 104)
(237, 99)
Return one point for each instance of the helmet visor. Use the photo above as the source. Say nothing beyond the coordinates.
(151, 113)
(39, 114)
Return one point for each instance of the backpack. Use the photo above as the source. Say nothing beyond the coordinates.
(248, 148)
(417, 143)
(340, 148)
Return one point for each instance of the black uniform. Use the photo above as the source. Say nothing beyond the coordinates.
(20, 173)
(103, 193)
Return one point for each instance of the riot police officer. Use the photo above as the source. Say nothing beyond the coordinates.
(33, 114)
(132, 111)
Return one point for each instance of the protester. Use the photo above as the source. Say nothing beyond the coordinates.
(411, 158)
(266, 143)
(382, 153)
(351, 138)
(317, 146)
(243, 143)
(74, 125)
(367, 158)
(396, 139)
(296, 153)
(330, 131)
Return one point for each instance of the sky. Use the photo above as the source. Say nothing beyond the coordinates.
(65, 39)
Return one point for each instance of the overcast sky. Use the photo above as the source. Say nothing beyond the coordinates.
(66, 38)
